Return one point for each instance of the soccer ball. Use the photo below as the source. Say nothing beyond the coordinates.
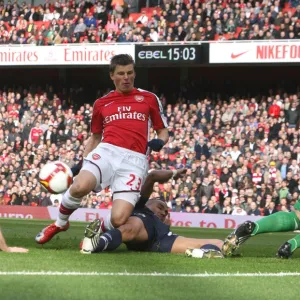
(56, 177)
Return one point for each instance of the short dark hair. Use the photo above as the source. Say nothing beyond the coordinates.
(122, 60)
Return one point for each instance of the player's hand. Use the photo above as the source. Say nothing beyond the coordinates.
(76, 168)
(156, 144)
(17, 250)
(180, 173)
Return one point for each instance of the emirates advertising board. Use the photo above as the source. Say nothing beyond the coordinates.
(93, 54)
(88, 215)
(254, 52)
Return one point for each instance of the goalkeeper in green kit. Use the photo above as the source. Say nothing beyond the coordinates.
(278, 222)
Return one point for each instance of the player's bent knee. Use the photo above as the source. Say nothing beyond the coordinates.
(79, 189)
(84, 183)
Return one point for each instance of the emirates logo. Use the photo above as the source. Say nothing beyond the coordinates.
(139, 98)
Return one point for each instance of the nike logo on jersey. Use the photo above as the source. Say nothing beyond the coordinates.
(109, 103)
(234, 56)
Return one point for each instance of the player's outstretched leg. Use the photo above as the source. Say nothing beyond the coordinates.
(83, 184)
(206, 251)
(237, 237)
(279, 222)
(49, 232)
(286, 250)
(94, 241)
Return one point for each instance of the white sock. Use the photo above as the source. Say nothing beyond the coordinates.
(68, 205)
(107, 222)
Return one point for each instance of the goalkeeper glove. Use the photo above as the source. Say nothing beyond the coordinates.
(156, 144)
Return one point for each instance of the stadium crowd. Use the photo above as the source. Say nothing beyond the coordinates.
(69, 21)
(242, 154)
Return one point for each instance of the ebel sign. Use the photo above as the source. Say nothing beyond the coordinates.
(168, 54)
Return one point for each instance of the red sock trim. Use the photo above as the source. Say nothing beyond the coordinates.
(103, 227)
(65, 211)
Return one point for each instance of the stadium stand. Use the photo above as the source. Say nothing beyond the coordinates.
(123, 21)
(236, 162)
(242, 155)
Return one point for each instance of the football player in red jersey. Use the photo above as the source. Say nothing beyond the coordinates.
(116, 153)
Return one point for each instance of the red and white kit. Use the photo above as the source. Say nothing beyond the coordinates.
(120, 160)
(35, 134)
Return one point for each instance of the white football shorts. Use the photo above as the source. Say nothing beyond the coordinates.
(121, 169)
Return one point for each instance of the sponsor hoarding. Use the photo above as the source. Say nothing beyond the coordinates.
(88, 215)
(93, 54)
(254, 52)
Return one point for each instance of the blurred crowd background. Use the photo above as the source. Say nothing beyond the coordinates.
(242, 154)
(241, 150)
(70, 21)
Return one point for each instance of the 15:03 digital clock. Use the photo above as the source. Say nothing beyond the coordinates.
(177, 54)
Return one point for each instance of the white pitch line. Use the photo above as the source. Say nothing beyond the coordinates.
(44, 273)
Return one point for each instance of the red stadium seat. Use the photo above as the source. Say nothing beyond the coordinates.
(135, 16)
(292, 10)
(150, 10)
(172, 157)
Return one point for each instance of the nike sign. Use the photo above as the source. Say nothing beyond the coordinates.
(234, 56)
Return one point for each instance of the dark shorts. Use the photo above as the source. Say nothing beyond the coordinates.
(160, 238)
(164, 244)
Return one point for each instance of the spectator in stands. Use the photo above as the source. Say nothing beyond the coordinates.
(274, 110)
(210, 209)
(132, 5)
(293, 115)
(254, 211)
(238, 211)
(32, 15)
(90, 21)
(201, 149)
(143, 19)
(80, 28)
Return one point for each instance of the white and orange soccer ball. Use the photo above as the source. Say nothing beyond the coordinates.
(56, 177)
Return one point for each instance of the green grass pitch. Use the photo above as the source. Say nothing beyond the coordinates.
(129, 275)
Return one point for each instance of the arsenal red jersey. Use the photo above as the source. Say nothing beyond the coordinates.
(35, 134)
(124, 120)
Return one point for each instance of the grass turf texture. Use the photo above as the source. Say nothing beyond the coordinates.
(62, 255)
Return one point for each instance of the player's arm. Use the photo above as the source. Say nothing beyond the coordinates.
(159, 125)
(160, 176)
(96, 129)
(163, 134)
(95, 138)
(5, 248)
(162, 139)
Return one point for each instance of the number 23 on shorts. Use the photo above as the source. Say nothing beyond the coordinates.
(134, 182)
